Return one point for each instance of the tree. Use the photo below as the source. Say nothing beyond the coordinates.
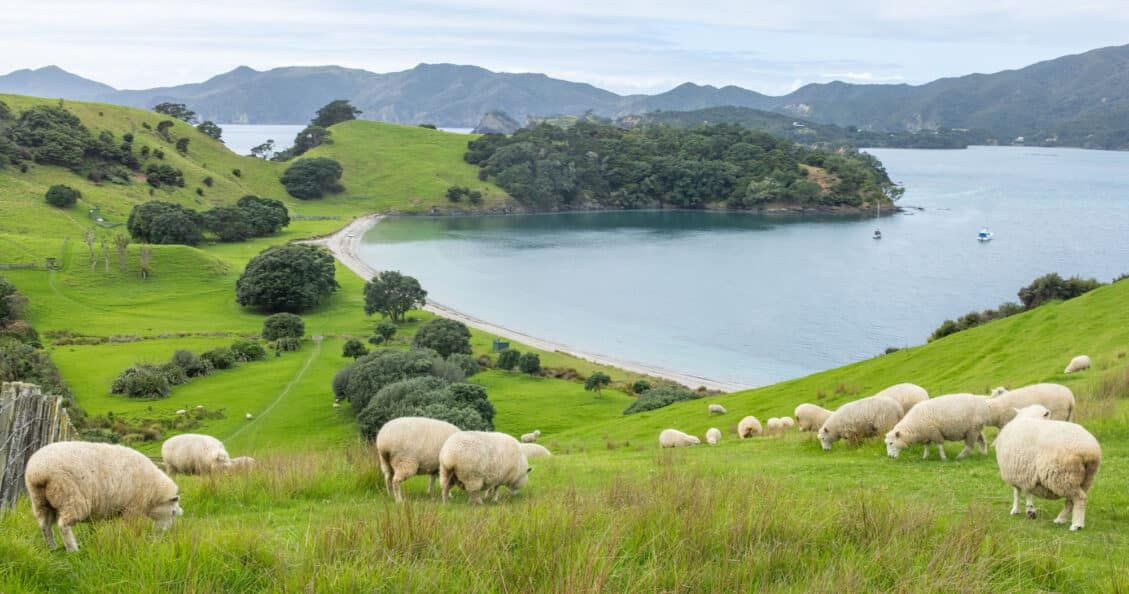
(121, 242)
(219, 358)
(264, 150)
(182, 146)
(465, 362)
(248, 350)
(165, 223)
(385, 330)
(61, 196)
(370, 373)
(529, 363)
(660, 397)
(597, 381)
(464, 405)
(163, 128)
(191, 363)
(290, 278)
(266, 215)
(229, 223)
(393, 294)
(335, 112)
(211, 130)
(354, 348)
(145, 256)
(443, 336)
(508, 359)
(88, 238)
(308, 179)
(1052, 287)
(640, 386)
(52, 135)
(10, 309)
(283, 325)
(176, 110)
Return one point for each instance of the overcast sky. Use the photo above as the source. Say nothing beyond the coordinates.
(626, 46)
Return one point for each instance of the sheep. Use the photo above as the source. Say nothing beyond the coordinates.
(811, 417)
(907, 395)
(713, 436)
(997, 391)
(772, 426)
(192, 453)
(673, 438)
(1056, 397)
(748, 427)
(407, 446)
(787, 423)
(865, 417)
(531, 437)
(73, 481)
(1048, 459)
(1079, 363)
(535, 450)
(248, 416)
(717, 409)
(181, 412)
(953, 417)
(243, 463)
(482, 461)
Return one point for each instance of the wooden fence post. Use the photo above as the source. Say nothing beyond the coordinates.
(29, 420)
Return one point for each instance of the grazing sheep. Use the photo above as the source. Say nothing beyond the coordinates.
(748, 427)
(772, 426)
(717, 409)
(862, 418)
(535, 450)
(953, 417)
(248, 416)
(246, 463)
(997, 391)
(1078, 363)
(787, 423)
(907, 395)
(336, 404)
(531, 437)
(673, 438)
(192, 453)
(1056, 397)
(811, 417)
(407, 446)
(182, 412)
(713, 436)
(73, 481)
(482, 461)
(1048, 459)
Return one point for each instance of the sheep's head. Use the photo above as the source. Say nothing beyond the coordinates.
(825, 438)
(895, 443)
(1035, 411)
(165, 511)
(999, 391)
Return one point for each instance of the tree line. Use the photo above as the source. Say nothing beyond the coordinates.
(170, 223)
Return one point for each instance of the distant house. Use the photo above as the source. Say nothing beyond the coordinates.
(797, 124)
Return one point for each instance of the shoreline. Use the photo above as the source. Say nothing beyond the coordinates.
(343, 245)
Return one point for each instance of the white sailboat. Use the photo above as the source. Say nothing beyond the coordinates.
(985, 235)
(877, 212)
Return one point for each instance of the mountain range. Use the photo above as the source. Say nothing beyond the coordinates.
(1081, 99)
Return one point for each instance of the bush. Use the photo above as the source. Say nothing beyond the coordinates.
(463, 405)
(508, 359)
(1052, 287)
(191, 363)
(288, 278)
(354, 348)
(266, 215)
(248, 350)
(26, 362)
(467, 363)
(597, 381)
(283, 325)
(173, 373)
(141, 381)
(61, 196)
(165, 223)
(288, 344)
(660, 397)
(640, 386)
(308, 179)
(384, 332)
(443, 336)
(335, 112)
(341, 383)
(237, 172)
(370, 373)
(220, 358)
(529, 363)
(11, 302)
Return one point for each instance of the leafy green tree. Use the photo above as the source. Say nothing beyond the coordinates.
(163, 174)
(393, 294)
(192, 364)
(660, 397)
(385, 330)
(335, 112)
(175, 110)
(443, 336)
(210, 129)
(287, 278)
(52, 135)
(308, 179)
(354, 348)
(464, 405)
(597, 381)
(10, 302)
(370, 373)
(530, 363)
(466, 362)
(264, 150)
(283, 325)
(219, 358)
(1052, 287)
(163, 128)
(248, 350)
(266, 215)
(640, 386)
(61, 196)
(165, 223)
(508, 359)
(229, 223)
(182, 146)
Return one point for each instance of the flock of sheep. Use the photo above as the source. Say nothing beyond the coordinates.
(1039, 450)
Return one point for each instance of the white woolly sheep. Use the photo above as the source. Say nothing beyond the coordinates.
(953, 417)
(717, 409)
(244, 463)
(1056, 397)
(182, 412)
(200, 408)
(997, 391)
(248, 416)
(482, 461)
(1048, 459)
(906, 395)
(748, 427)
(531, 437)
(787, 423)
(73, 481)
(772, 426)
(192, 453)
(862, 418)
(713, 436)
(1078, 363)
(811, 417)
(535, 450)
(673, 438)
(407, 446)
(336, 404)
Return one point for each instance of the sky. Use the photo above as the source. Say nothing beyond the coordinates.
(626, 46)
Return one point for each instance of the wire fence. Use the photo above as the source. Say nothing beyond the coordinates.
(29, 420)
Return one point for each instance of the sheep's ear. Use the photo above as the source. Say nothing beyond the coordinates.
(175, 499)
(1046, 414)
(529, 470)
(1016, 410)
(897, 434)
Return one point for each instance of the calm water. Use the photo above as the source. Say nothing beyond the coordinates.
(757, 299)
(241, 137)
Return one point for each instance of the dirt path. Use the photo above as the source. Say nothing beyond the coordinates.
(286, 390)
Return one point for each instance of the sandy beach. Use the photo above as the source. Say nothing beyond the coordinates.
(344, 245)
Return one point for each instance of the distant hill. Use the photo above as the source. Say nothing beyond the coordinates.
(1078, 100)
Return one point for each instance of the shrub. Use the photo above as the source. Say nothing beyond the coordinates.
(464, 405)
(640, 386)
(385, 330)
(467, 363)
(508, 359)
(220, 358)
(529, 363)
(443, 336)
(248, 350)
(393, 294)
(335, 112)
(182, 146)
(288, 344)
(190, 362)
(237, 172)
(165, 223)
(141, 381)
(266, 215)
(11, 302)
(308, 179)
(173, 373)
(341, 383)
(288, 278)
(283, 325)
(354, 348)
(61, 196)
(1052, 287)
(597, 381)
(377, 369)
(660, 397)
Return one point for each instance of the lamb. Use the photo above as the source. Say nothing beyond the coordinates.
(954, 417)
(243, 463)
(773, 426)
(787, 423)
(535, 450)
(748, 427)
(1079, 363)
(531, 437)
(907, 395)
(407, 446)
(482, 461)
(717, 409)
(1057, 398)
(673, 438)
(73, 481)
(713, 436)
(811, 417)
(1048, 459)
(192, 453)
(865, 417)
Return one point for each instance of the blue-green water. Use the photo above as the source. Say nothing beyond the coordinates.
(760, 298)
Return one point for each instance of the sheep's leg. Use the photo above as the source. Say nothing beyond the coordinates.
(68, 536)
(1015, 501)
(430, 484)
(46, 524)
(941, 451)
(970, 441)
(983, 443)
(1064, 515)
(497, 494)
(445, 483)
(1079, 511)
(1030, 506)
(925, 451)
